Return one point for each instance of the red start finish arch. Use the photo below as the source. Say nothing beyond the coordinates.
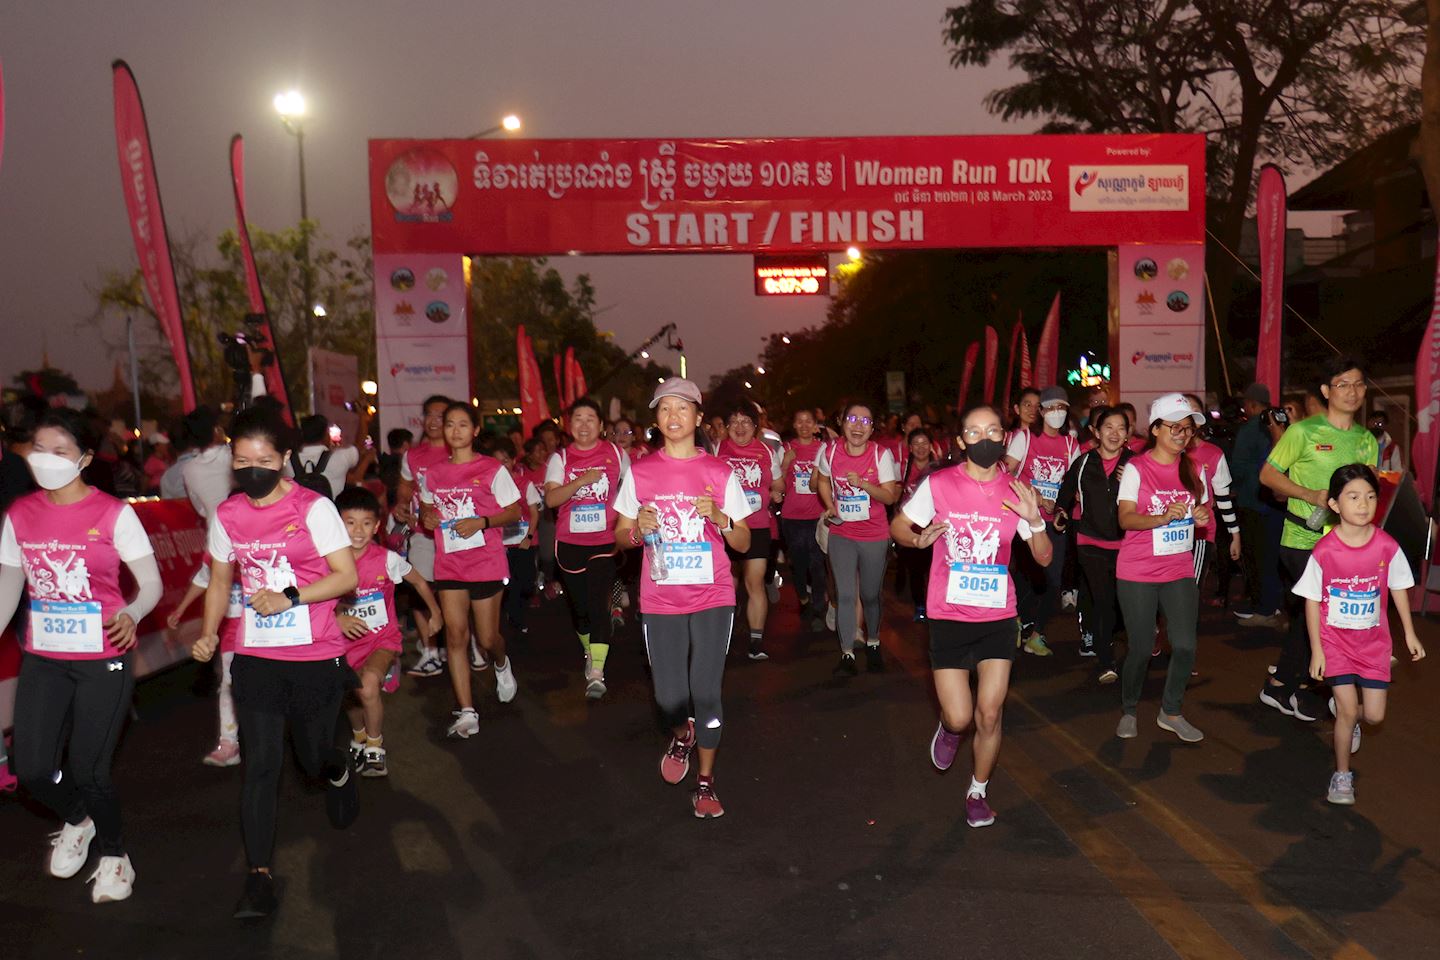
(433, 202)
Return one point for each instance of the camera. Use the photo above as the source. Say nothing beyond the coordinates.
(1275, 417)
(236, 349)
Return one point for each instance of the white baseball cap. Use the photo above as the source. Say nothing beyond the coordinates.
(676, 387)
(1173, 407)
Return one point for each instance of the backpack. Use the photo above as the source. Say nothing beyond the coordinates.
(313, 478)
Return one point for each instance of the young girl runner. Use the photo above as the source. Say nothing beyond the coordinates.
(977, 508)
(1344, 585)
(799, 513)
(291, 555)
(367, 618)
(920, 461)
(758, 470)
(580, 485)
(520, 536)
(423, 454)
(227, 749)
(67, 541)
(687, 505)
(463, 502)
(1159, 505)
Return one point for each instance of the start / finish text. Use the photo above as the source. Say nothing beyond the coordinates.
(791, 228)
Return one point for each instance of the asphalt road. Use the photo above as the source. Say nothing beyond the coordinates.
(551, 834)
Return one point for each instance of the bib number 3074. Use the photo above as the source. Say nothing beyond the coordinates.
(1353, 609)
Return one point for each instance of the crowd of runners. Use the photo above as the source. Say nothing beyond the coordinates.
(999, 524)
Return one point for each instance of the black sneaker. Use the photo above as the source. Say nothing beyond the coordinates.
(847, 666)
(873, 662)
(1275, 695)
(757, 650)
(258, 900)
(1304, 705)
(342, 798)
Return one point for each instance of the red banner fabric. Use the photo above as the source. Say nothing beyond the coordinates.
(578, 381)
(147, 220)
(534, 197)
(1027, 375)
(559, 363)
(971, 353)
(1047, 359)
(992, 350)
(569, 370)
(533, 409)
(1426, 445)
(274, 376)
(1016, 333)
(1270, 220)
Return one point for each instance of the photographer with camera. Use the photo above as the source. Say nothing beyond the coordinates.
(1262, 520)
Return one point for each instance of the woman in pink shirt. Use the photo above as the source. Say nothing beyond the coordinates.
(799, 513)
(68, 542)
(685, 507)
(757, 468)
(290, 553)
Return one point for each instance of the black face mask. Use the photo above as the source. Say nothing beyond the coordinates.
(256, 482)
(985, 453)
(1378, 432)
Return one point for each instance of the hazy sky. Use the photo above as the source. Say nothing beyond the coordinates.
(429, 68)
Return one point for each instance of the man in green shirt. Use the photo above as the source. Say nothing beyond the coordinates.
(1299, 468)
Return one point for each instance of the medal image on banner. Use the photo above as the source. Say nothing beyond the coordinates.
(1352, 609)
(978, 585)
(369, 609)
(60, 627)
(587, 518)
(688, 563)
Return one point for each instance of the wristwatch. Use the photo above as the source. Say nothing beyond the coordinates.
(292, 594)
(484, 523)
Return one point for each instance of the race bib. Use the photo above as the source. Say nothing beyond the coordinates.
(369, 608)
(452, 542)
(687, 564)
(61, 627)
(1177, 536)
(1046, 491)
(1352, 609)
(236, 608)
(802, 481)
(515, 532)
(854, 507)
(752, 497)
(587, 518)
(288, 628)
(977, 585)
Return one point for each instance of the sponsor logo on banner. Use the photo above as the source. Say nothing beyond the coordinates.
(1161, 361)
(1127, 188)
(421, 186)
(437, 311)
(1146, 269)
(436, 279)
(423, 372)
(1145, 304)
(402, 278)
(1178, 301)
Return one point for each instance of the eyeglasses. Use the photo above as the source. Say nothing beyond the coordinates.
(624, 433)
(741, 422)
(862, 421)
(1357, 385)
(972, 434)
(1179, 429)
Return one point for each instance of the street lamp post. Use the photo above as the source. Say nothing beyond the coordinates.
(291, 107)
(510, 123)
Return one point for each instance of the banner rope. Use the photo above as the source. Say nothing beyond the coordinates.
(1219, 346)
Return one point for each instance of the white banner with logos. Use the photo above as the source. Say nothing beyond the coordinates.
(335, 389)
(1161, 322)
(421, 333)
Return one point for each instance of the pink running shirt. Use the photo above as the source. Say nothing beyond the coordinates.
(801, 501)
(589, 516)
(480, 487)
(1161, 554)
(1352, 586)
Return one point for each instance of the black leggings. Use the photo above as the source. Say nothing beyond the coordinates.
(89, 700)
(807, 563)
(1097, 602)
(916, 564)
(587, 588)
(522, 583)
(268, 693)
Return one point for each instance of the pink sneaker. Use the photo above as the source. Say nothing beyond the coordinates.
(225, 754)
(943, 747)
(705, 802)
(392, 679)
(978, 812)
(8, 782)
(676, 763)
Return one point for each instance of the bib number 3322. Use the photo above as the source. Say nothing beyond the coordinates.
(288, 628)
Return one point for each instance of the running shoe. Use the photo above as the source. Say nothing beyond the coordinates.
(1069, 599)
(977, 811)
(757, 650)
(342, 796)
(1128, 728)
(1273, 695)
(943, 747)
(874, 663)
(1331, 706)
(1181, 727)
(114, 880)
(70, 848)
(1342, 789)
(624, 599)
(1087, 645)
(705, 802)
(1244, 612)
(391, 682)
(772, 591)
(830, 616)
(372, 763)
(1274, 620)
(1108, 676)
(919, 615)
(225, 754)
(466, 725)
(357, 753)
(258, 900)
(675, 764)
(1355, 739)
(1304, 705)
(477, 657)
(505, 685)
(427, 666)
(1035, 644)
(617, 618)
(594, 684)
(847, 666)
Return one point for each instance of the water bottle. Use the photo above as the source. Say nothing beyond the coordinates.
(1317, 518)
(656, 555)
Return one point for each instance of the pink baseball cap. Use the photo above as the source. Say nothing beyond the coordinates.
(676, 387)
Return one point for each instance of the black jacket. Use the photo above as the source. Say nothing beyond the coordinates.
(1086, 481)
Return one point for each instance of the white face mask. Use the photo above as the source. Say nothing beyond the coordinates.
(51, 470)
(1056, 418)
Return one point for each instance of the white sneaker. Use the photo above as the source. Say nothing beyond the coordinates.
(114, 880)
(1355, 739)
(594, 684)
(477, 658)
(466, 725)
(830, 616)
(70, 848)
(505, 685)
(1069, 599)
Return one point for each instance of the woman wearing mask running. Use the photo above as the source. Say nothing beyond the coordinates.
(581, 481)
(290, 552)
(919, 462)
(799, 513)
(688, 506)
(1161, 501)
(466, 502)
(757, 469)
(67, 541)
(1087, 500)
(1040, 456)
(857, 481)
(974, 511)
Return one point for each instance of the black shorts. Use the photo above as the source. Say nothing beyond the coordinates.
(1354, 679)
(479, 590)
(759, 543)
(961, 645)
(297, 688)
